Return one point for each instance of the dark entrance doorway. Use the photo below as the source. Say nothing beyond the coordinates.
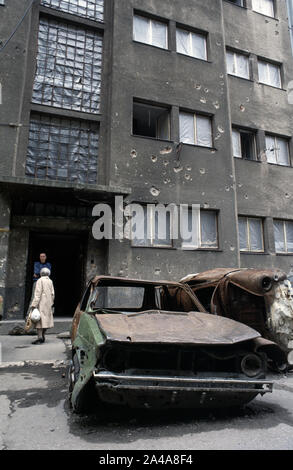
(66, 253)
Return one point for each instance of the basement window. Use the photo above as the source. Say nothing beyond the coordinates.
(269, 74)
(195, 129)
(265, 7)
(238, 64)
(283, 231)
(92, 9)
(151, 121)
(277, 150)
(149, 31)
(206, 225)
(251, 236)
(244, 145)
(192, 44)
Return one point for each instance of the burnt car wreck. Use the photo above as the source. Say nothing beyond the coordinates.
(153, 344)
(261, 299)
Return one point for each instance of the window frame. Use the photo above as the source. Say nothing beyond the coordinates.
(276, 138)
(269, 63)
(151, 225)
(235, 54)
(195, 114)
(150, 20)
(235, 4)
(190, 32)
(240, 130)
(248, 245)
(284, 222)
(265, 14)
(201, 247)
(137, 101)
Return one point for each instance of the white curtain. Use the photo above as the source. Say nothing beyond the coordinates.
(282, 150)
(208, 225)
(199, 49)
(242, 227)
(159, 34)
(289, 233)
(255, 235)
(279, 236)
(266, 7)
(274, 75)
(183, 42)
(270, 149)
(236, 144)
(230, 63)
(186, 124)
(242, 66)
(204, 131)
(262, 72)
(141, 29)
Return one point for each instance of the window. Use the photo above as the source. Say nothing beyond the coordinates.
(195, 129)
(283, 230)
(266, 7)
(62, 149)
(269, 74)
(251, 234)
(192, 44)
(151, 230)
(148, 31)
(244, 144)
(69, 66)
(2, 2)
(239, 3)
(207, 226)
(92, 9)
(277, 150)
(151, 121)
(237, 64)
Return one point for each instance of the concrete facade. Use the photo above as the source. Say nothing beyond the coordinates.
(141, 168)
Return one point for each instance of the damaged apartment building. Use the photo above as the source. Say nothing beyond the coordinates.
(155, 101)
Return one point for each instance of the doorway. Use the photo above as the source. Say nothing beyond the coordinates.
(66, 253)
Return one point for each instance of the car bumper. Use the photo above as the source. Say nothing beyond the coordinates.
(152, 391)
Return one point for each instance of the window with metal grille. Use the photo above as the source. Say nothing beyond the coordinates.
(69, 66)
(93, 9)
(62, 149)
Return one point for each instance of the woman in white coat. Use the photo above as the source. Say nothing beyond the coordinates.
(43, 300)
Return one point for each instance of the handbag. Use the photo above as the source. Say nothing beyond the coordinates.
(29, 325)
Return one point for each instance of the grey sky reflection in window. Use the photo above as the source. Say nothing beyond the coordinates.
(62, 149)
(69, 65)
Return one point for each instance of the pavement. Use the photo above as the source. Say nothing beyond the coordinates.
(35, 413)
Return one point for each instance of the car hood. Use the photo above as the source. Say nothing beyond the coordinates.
(173, 327)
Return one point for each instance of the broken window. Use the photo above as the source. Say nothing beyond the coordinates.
(244, 144)
(62, 149)
(207, 227)
(151, 228)
(149, 31)
(269, 74)
(195, 129)
(69, 66)
(237, 64)
(283, 230)
(92, 9)
(266, 7)
(251, 234)
(151, 121)
(277, 150)
(192, 44)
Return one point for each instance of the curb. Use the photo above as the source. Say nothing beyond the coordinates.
(57, 363)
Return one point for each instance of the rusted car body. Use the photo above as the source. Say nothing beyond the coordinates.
(261, 299)
(152, 344)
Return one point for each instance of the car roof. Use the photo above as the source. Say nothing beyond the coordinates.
(126, 281)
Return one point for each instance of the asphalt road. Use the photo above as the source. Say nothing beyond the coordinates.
(34, 414)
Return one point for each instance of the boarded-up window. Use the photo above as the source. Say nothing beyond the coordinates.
(195, 129)
(251, 234)
(283, 230)
(92, 9)
(62, 149)
(69, 65)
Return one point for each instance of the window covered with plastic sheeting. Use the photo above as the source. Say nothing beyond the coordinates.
(69, 66)
(251, 234)
(192, 44)
(277, 150)
(92, 9)
(283, 231)
(195, 129)
(62, 149)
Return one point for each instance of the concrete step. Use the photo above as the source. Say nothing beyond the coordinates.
(60, 325)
